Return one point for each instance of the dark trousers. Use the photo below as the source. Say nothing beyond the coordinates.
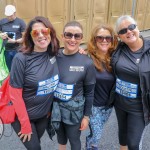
(130, 129)
(9, 55)
(38, 129)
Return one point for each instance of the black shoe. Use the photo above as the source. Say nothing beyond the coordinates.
(94, 148)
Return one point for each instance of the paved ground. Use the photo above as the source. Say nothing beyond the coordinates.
(109, 139)
(145, 33)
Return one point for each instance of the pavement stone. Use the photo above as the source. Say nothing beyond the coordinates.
(145, 33)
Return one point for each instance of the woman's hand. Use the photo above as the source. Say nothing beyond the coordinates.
(24, 137)
(82, 51)
(84, 123)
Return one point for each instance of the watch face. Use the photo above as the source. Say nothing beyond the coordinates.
(1, 128)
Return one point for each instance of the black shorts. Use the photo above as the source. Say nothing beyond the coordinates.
(70, 132)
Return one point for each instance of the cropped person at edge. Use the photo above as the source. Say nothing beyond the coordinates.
(131, 63)
(12, 29)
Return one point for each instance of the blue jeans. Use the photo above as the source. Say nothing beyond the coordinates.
(97, 121)
(9, 55)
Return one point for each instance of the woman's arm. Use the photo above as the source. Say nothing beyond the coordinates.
(20, 109)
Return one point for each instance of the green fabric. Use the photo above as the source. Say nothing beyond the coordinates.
(3, 68)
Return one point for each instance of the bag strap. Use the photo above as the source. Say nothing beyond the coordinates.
(2, 129)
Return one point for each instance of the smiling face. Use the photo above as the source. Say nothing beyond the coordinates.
(42, 37)
(104, 44)
(132, 35)
(71, 45)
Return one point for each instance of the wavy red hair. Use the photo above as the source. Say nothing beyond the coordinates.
(101, 61)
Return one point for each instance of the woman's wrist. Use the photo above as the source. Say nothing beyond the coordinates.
(87, 117)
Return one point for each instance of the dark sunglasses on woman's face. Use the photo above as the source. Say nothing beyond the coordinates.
(100, 39)
(130, 27)
(77, 36)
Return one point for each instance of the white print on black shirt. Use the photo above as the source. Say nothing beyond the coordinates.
(126, 89)
(137, 60)
(16, 26)
(53, 60)
(76, 68)
(48, 86)
(64, 91)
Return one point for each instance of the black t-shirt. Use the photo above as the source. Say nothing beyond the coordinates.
(127, 71)
(37, 75)
(76, 70)
(14, 30)
(77, 79)
(104, 83)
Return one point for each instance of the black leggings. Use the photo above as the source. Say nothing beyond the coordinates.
(130, 129)
(38, 128)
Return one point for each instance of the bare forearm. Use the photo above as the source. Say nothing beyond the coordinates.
(19, 40)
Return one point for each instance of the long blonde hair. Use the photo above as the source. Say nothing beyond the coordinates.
(100, 60)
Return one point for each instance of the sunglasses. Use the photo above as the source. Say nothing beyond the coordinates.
(36, 33)
(100, 39)
(77, 36)
(130, 27)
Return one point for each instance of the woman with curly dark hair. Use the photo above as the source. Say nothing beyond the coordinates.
(33, 79)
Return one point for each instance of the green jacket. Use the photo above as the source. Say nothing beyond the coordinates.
(3, 68)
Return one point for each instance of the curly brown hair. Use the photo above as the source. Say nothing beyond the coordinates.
(100, 60)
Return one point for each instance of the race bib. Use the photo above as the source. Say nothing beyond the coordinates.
(126, 89)
(64, 91)
(47, 86)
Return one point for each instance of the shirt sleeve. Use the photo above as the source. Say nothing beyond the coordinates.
(1, 22)
(90, 77)
(23, 26)
(17, 71)
(89, 85)
(89, 97)
(20, 109)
